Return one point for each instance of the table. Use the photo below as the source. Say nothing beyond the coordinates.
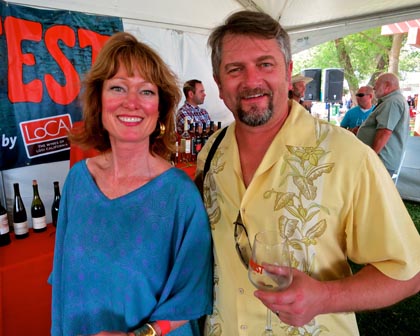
(25, 295)
(188, 167)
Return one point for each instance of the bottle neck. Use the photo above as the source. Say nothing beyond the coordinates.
(16, 190)
(36, 193)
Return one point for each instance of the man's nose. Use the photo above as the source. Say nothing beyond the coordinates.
(252, 76)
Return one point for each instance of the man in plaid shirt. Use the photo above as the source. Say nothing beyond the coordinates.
(194, 95)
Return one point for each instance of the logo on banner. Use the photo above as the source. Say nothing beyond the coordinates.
(46, 136)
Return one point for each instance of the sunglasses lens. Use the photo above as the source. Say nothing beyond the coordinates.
(360, 95)
(243, 246)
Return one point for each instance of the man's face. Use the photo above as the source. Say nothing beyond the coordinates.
(380, 88)
(364, 99)
(199, 94)
(254, 80)
(299, 89)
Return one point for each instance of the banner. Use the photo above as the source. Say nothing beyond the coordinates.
(43, 56)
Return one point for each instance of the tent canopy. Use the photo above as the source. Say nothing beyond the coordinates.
(178, 30)
(309, 22)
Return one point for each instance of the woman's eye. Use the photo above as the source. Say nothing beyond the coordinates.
(116, 88)
(148, 92)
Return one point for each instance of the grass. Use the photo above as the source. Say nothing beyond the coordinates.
(402, 319)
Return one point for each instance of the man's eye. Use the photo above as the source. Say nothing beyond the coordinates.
(233, 70)
(266, 65)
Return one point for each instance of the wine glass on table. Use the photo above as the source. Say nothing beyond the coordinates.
(270, 248)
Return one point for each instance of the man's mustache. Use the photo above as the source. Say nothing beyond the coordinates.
(250, 93)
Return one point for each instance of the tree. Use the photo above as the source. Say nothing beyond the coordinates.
(394, 54)
(362, 56)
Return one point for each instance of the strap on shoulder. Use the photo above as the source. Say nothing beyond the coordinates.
(199, 179)
(212, 150)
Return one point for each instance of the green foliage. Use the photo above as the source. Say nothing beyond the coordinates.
(364, 50)
(410, 60)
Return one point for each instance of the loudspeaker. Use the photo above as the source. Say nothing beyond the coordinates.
(313, 88)
(333, 85)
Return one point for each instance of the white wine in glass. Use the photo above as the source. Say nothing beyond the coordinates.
(270, 248)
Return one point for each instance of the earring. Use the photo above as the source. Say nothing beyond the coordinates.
(162, 130)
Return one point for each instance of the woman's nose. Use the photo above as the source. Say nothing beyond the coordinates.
(132, 100)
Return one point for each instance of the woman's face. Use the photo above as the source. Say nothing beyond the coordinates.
(129, 108)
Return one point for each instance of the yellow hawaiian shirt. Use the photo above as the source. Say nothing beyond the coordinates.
(328, 194)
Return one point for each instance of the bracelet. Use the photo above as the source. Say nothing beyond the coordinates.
(145, 330)
(165, 326)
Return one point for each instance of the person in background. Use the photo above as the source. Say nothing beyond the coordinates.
(387, 128)
(328, 195)
(297, 92)
(358, 114)
(132, 252)
(410, 101)
(194, 95)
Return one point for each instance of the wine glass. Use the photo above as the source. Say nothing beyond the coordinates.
(269, 248)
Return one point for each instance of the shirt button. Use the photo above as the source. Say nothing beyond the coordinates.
(241, 291)
(244, 326)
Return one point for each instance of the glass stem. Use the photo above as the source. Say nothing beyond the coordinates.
(268, 322)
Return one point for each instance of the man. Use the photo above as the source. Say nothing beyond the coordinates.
(194, 95)
(327, 193)
(298, 90)
(358, 114)
(387, 128)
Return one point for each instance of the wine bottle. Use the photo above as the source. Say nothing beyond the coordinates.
(204, 134)
(56, 203)
(198, 143)
(4, 227)
(192, 135)
(211, 129)
(39, 220)
(20, 220)
(175, 154)
(185, 144)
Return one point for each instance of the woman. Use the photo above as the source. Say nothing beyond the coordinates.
(132, 254)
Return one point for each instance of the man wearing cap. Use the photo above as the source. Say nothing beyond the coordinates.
(298, 90)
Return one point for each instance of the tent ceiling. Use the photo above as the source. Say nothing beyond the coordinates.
(309, 22)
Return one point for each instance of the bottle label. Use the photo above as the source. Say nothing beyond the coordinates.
(183, 145)
(4, 224)
(39, 222)
(21, 228)
(187, 146)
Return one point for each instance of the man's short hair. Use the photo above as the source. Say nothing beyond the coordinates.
(251, 24)
(190, 86)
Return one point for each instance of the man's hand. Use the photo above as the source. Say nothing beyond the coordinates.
(300, 302)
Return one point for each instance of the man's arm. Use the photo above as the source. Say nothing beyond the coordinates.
(307, 297)
(381, 138)
(180, 116)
